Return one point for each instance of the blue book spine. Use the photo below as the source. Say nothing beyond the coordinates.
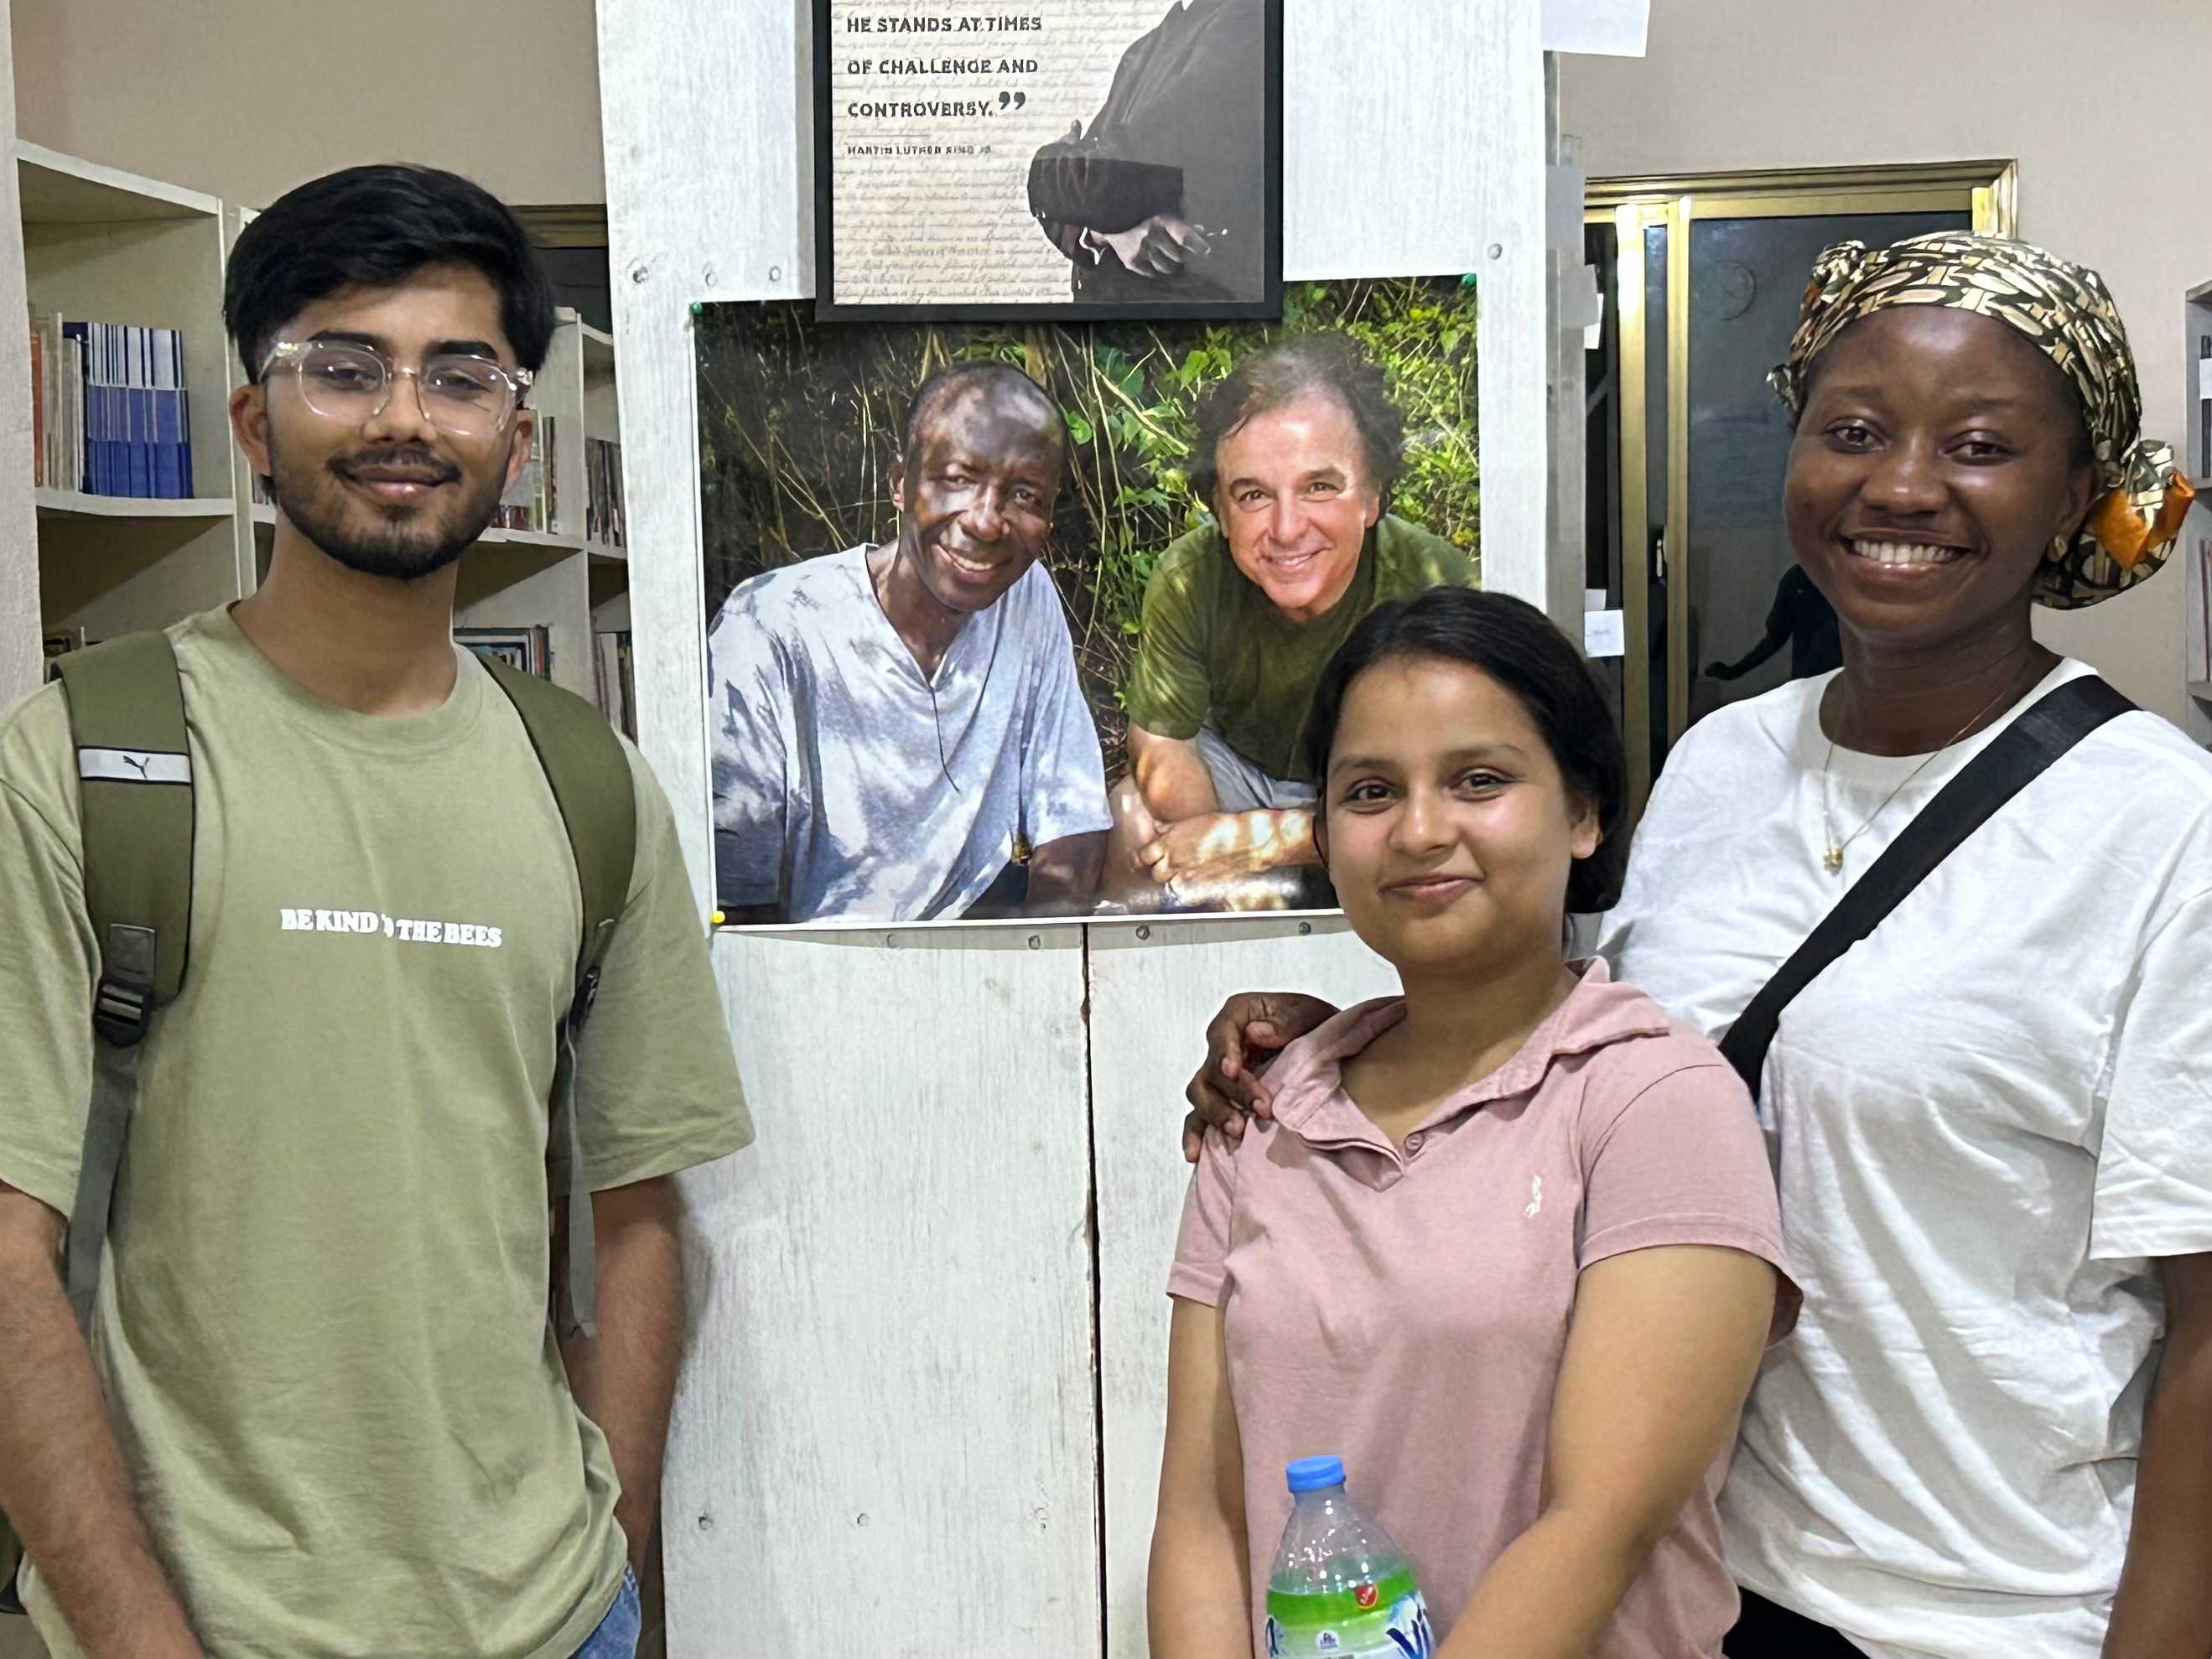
(182, 413)
(133, 463)
(103, 451)
(114, 474)
(184, 443)
(161, 400)
(142, 412)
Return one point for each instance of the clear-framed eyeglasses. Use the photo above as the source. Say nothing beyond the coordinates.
(345, 381)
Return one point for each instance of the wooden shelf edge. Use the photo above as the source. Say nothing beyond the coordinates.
(95, 173)
(532, 538)
(70, 504)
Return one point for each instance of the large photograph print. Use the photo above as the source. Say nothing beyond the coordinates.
(1024, 620)
(1102, 158)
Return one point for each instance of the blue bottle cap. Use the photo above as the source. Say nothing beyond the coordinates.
(1314, 1473)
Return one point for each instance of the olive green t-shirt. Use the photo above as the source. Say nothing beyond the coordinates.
(323, 1329)
(1214, 650)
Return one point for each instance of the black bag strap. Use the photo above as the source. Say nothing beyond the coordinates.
(589, 773)
(135, 790)
(2013, 759)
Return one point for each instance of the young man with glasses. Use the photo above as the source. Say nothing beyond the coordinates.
(323, 1411)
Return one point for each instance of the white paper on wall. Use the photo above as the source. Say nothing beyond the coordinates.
(1605, 634)
(1609, 28)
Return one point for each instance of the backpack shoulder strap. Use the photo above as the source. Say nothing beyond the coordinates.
(590, 777)
(2015, 758)
(134, 771)
(127, 719)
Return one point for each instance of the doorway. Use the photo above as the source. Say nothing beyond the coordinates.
(1703, 280)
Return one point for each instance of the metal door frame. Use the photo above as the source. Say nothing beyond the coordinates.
(1989, 191)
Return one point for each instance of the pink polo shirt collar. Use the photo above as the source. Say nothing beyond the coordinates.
(1311, 1103)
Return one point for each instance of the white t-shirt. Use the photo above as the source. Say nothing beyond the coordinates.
(846, 784)
(1988, 1119)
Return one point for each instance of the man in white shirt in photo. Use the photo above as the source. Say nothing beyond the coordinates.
(898, 731)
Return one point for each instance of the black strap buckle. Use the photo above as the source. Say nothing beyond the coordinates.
(122, 1010)
(123, 1000)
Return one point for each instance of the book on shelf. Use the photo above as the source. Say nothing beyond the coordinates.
(529, 649)
(614, 682)
(2204, 405)
(110, 410)
(603, 511)
(2200, 606)
(533, 503)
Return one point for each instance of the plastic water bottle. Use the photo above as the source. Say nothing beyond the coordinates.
(1339, 1587)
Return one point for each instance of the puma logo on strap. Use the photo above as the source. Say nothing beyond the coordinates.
(133, 765)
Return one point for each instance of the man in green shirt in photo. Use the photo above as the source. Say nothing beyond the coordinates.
(320, 1409)
(1296, 452)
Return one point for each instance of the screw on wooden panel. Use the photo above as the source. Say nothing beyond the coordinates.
(1035, 944)
(705, 1523)
(708, 275)
(638, 273)
(890, 941)
(1144, 933)
(775, 273)
(1497, 250)
(860, 1519)
(1305, 928)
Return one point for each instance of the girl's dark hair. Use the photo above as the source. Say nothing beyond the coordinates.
(375, 227)
(1515, 644)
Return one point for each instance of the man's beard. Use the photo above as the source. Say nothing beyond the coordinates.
(399, 549)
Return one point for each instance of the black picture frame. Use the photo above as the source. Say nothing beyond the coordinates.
(1267, 308)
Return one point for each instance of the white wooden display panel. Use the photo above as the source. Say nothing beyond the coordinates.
(947, 1374)
(883, 1440)
(1153, 988)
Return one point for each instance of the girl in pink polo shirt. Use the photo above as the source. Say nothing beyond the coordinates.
(1510, 1244)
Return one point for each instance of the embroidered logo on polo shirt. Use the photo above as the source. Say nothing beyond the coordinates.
(376, 921)
(1535, 1195)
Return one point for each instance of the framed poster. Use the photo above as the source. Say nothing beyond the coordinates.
(1106, 159)
(1024, 620)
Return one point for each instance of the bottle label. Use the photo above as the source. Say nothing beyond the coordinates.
(1385, 1620)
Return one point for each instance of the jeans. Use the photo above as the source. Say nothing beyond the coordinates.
(617, 1636)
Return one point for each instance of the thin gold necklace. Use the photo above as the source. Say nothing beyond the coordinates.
(1831, 859)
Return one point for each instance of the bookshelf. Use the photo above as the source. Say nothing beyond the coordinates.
(99, 243)
(2196, 548)
(560, 578)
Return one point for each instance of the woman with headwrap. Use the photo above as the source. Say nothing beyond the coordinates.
(1990, 1434)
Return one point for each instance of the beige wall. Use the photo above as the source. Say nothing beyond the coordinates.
(245, 97)
(2101, 105)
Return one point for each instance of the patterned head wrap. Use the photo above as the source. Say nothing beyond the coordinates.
(2068, 315)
